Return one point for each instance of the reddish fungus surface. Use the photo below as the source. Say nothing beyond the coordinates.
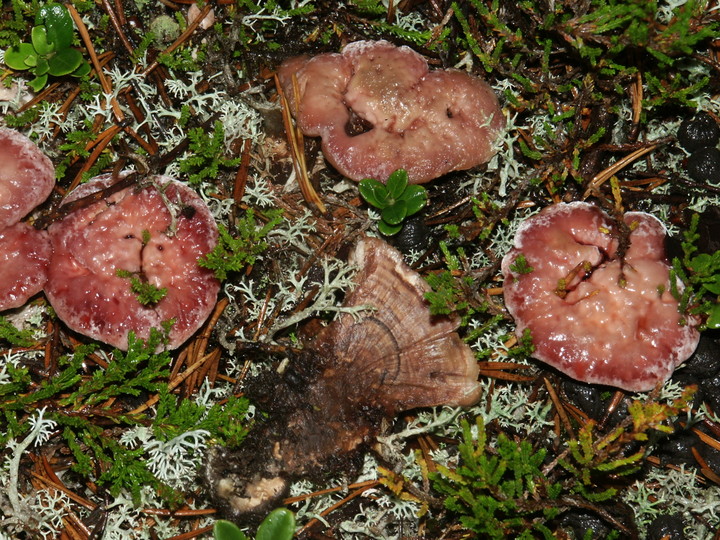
(27, 176)
(155, 232)
(24, 257)
(378, 108)
(591, 316)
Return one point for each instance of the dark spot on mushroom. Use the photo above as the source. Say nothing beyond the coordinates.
(188, 211)
(356, 125)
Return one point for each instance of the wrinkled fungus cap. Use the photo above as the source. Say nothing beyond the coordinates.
(155, 232)
(24, 258)
(590, 316)
(378, 108)
(27, 176)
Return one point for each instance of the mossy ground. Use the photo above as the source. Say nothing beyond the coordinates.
(108, 444)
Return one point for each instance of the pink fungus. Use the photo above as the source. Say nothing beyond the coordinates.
(151, 233)
(27, 176)
(591, 316)
(24, 258)
(378, 108)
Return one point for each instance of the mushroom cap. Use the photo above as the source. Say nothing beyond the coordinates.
(404, 356)
(426, 122)
(131, 230)
(27, 176)
(617, 324)
(24, 258)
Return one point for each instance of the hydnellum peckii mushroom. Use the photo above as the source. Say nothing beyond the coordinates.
(150, 233)
(27, 177)
(378, 108)
(328, 404)
(596, 296)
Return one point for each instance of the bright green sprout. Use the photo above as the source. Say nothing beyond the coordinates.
(701, 275)
(521, 266)
(395, 199)
(49, 52)
(278, 525)
(147, 293)
(233, 253)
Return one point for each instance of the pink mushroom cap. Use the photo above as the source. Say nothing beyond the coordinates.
(426, 122)
(27, 176)
(24, 257)
(132, 230)
(617, 324)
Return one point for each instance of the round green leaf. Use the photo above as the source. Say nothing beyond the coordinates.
(396, 183)
(59, 24)
(374, 192)
(42, 66)
(38, 83)
(278, 525)
(64, 62)
(415, 197)
(395, 213)
(389, 230)
(713, 320)
(40, 42)
(16, 56)
(82, 70)
(226, 530)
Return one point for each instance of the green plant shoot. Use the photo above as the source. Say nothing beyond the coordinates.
(147, 293)
(395, 199)
(278, 525)
(49, 51)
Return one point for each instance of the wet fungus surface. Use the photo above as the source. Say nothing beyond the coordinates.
(378, 108)
(27, 177)
(151, 233)
(359, 370)
(593, 314)
(24, 258)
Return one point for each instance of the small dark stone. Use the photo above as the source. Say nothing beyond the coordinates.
(677, 449)
(709, 230)
(698, 132)
(580, 523)
(669, 527)
(703, 165)
(414, 235)
(704, 363)
(710, 455)
(586, 397)
(710, 388)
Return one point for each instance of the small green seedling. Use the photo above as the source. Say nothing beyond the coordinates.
(49, 52)
(395, 199)
(701, 275)
(706, 277)
(278, 525)
(147, 293)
